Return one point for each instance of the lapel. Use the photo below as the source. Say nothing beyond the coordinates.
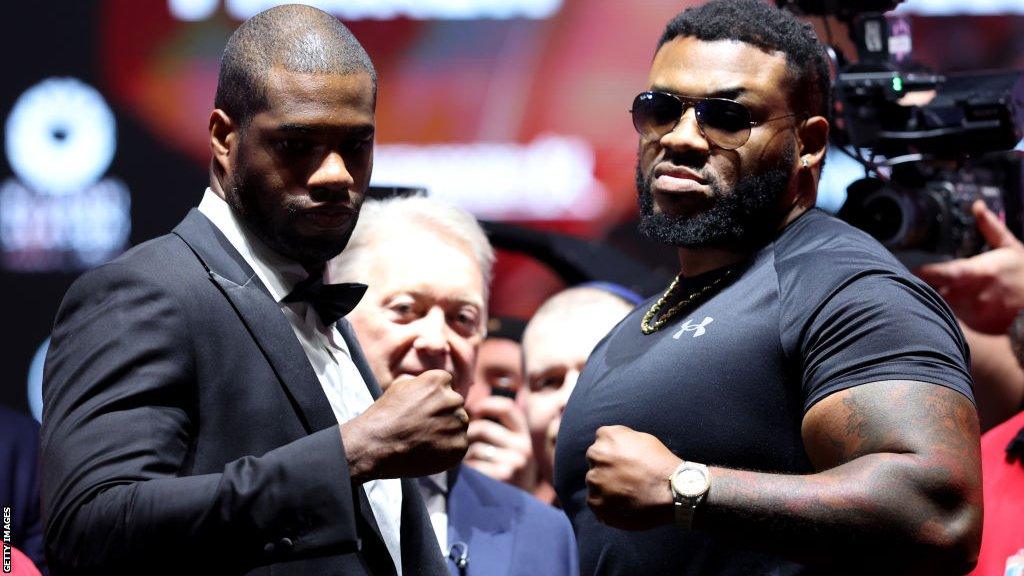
(421, 554)
(261, 316)
(480, 519)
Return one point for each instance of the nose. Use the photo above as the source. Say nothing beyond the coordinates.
(332, 174)
(686, 136)
(432, 336)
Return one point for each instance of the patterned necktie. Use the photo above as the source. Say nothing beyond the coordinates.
(331, 301)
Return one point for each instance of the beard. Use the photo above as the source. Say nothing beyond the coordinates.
(277, 226)
(746, 215)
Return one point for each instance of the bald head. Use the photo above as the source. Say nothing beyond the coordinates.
(586, 312)
(556, 344)
(294, 37)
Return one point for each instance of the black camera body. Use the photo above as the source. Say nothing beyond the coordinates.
(929, 218)
(943, 140)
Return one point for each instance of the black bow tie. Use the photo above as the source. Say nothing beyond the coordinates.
(331, 301)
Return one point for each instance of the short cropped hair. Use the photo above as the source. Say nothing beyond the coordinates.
(590, 308)
(769, 28)
(385, 219)
(295, 37)
(578, 302)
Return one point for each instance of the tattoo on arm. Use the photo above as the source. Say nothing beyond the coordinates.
(898, 484)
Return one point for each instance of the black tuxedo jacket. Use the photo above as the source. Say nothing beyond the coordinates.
(184, 431)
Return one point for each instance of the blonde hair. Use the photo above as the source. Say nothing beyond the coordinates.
(393, 217)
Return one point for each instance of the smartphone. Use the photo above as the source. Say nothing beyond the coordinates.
(506, 392)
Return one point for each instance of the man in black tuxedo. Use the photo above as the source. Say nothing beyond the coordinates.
(204, 412)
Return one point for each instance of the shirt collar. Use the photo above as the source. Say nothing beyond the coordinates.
(279, 274)
(437, 482)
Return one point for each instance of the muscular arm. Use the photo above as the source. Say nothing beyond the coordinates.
(898, 487)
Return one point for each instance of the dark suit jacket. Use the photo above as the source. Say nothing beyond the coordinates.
(507, 532)
(185, 432)
(19, 481)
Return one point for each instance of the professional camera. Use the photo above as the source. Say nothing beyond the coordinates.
(930, 144)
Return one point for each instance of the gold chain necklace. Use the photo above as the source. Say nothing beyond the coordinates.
(649, 327)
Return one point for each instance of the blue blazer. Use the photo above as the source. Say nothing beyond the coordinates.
(506, 531)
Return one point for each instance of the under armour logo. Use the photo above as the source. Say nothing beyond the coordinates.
(697, 329)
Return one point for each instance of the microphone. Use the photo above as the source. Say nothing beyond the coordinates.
(459, 553)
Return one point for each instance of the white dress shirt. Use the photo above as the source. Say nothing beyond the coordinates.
(327, 352)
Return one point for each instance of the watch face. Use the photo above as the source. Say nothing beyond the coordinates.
(690, 482)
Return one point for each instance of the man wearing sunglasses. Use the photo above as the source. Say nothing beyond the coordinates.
(795, 402)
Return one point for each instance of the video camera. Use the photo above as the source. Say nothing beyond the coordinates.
(930, 143)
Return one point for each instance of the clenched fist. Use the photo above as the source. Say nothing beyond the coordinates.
(627, 485)
(416, 428)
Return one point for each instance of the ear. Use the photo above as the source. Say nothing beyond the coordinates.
(812, 141)
(223, 140)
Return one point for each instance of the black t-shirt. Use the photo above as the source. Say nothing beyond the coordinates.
(727, 382)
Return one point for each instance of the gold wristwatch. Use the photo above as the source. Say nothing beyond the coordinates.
(690, 483)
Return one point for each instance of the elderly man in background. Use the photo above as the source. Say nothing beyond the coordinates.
(428, 267)
(556, 343)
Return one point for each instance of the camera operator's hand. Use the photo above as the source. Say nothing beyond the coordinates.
(986, 291)
(499, 442)
(416, 428)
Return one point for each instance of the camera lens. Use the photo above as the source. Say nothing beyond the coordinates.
(883, 218)
(897, 218)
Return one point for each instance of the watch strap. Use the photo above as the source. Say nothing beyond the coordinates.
(684, 515)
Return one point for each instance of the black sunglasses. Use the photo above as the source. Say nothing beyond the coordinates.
(725, 123)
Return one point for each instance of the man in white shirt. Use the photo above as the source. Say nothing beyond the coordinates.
(202, 399)
(428, 266)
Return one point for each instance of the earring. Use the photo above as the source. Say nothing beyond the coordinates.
(806, 164)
